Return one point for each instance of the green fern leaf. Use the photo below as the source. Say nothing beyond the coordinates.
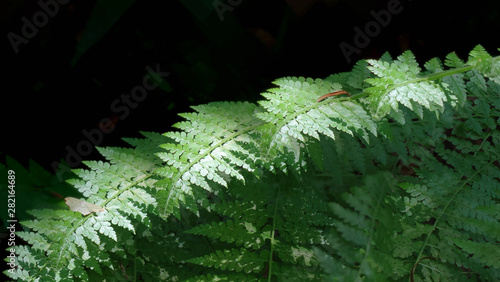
(399, 82)
(240, 260)
(365, 232)
(123, 188)
(485, 63)
(203, 153)
(295, 128)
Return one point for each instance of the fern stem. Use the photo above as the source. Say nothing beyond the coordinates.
(135, 260)
(372, 230)
(61, 250)
(272, 235)
(482, 143)
(449, 72)
(433, 76)
(76, 226)
(445, 208)
(208, 152)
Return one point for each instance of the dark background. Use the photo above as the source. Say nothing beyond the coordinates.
(65, 78)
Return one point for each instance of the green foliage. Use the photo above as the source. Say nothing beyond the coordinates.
(399, 181)
(36, 182)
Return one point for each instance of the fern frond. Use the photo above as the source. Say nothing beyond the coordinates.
(71, 241)
(239, 260)
(203, 155)
(485, 63)
(278, 227)
(297, 117)
(399, 82)
(355, 80)
(364, 233)
(452, 192)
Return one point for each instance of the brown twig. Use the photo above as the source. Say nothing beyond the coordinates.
(340, 92)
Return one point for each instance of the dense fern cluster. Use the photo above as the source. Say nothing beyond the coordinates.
(399, 181)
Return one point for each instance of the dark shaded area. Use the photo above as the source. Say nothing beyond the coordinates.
(67, 77)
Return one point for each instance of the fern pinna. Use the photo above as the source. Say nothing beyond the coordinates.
(398, 181)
